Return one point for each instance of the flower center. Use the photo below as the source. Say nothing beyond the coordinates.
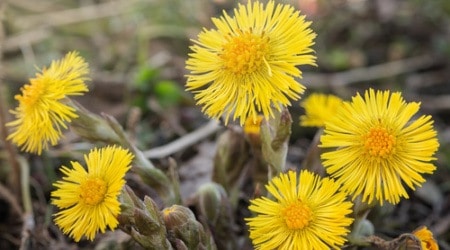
(379, 142)
(93, 191)
(245, 53)
(297, 215)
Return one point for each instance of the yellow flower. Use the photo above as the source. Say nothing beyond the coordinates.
(319, 108)
(88, 199)
(308, 213)
(43, 109)
(252, 131)
(253, 127)
(379, 148)
(426, 238)
(248, 64)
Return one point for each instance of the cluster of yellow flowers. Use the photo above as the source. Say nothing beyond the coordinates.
(245, 68)
(88, 198)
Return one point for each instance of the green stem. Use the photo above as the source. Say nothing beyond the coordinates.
(154, 177)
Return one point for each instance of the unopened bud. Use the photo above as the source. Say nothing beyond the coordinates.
(231, 155)
(143, 221)
(93, 127)
(213, 205)
(182, 225)
(211, 197)
(275, 135)
(176, 216)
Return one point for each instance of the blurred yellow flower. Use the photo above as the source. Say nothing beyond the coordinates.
(43, 109)
(306, 212)
(253, 127)
(426, 238)
(248, 64)
(379, 148)
(319, 108)
(88, 199)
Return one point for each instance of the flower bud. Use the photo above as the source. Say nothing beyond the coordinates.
(211, 197)
(231, 155)
(129, 202)
(143, 221)
(214, 206)
(275, 135)
(93, 127)
(182, 225)
(176, 216)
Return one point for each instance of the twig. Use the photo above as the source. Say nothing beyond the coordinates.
(38, 26)
(28, 217)
(14, 42)
(26, 6)
(433, 103)
(183, 142)
(77, 15)
(11, 199)
(370, 73)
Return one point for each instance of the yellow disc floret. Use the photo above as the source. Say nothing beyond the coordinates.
(92, 191)
(297, 215)
(244, 54)
(378, 142)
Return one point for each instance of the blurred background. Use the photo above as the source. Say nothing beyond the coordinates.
(137, 49)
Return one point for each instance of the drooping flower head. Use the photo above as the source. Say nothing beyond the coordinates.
(426, 238)
(306, 212)
(88, 198)
(318, 109)
(248, 63)
(379, 146)
(43, 111)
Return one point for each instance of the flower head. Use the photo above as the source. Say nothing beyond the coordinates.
(248, 63)
(379, 148)
(308, 213)
(318, 109)
(43, 109)
(88, 199)
(426, 238)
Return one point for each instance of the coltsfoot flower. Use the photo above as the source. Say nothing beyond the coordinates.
(247, 65)
(426, 238)
(379, 147)
(88, 199)
(319, 108)
(306, 212)
(43, 111)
